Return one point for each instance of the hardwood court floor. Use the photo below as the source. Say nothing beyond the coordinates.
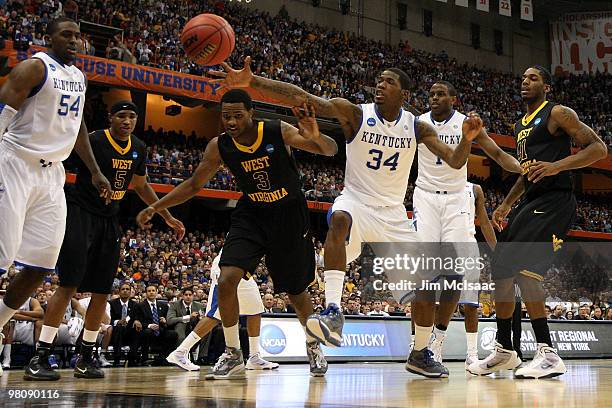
(588, 383)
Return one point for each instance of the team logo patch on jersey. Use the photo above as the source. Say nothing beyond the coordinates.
(371, 121)
(405, 127)
(134, 155)
(537, 121)
(270, 148)
(455, 127)
(52, 67)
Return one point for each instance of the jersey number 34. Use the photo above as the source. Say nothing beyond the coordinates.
(377, 158)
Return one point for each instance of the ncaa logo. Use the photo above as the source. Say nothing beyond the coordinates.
(52, 67)
(269, 148)
(487, 338)
(273, 339)
(371, 121)
(134, 155)
(537, 121)
(455, 127)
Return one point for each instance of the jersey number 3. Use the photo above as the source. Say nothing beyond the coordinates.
(377, 157)
(67, 106)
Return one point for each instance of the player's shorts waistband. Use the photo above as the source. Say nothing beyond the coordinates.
(441, 192)
(31, 158)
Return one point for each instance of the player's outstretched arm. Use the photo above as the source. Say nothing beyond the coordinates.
(188, 188)
(505, 160)
(501, 213)
(454, 158)
(348, 114)
(147, 194)
(308, 137)
(483, 218)
(594, 149)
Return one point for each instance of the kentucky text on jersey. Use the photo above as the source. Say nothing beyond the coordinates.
(266, 197)
(122, 164)
(68, 86)
(387, 141)
(450, 139)
(256, 164)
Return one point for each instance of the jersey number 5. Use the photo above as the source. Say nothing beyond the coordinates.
(120, 179)
(66, 106)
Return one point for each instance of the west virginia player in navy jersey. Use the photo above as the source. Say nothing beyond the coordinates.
(90, 252)
(270, 219)
(543, 138)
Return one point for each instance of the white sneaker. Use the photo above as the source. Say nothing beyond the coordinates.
(255, 362)
(180, 359)
(103, 361)
(470, 359)
(545, 364)
(436, 347)
(499, 359)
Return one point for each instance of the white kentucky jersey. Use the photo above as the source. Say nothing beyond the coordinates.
(379, 157)
(435, 174)
(470, 192)
(47, 124)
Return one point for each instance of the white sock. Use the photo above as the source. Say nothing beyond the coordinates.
(334, 283)
(440, 334)
(190, 341)
(253, 345)
(232, 337)
(309, 338)
(5, 313)
(422, 334)
(47, 334)
(472, 343)
(90, 336)
(7, 355)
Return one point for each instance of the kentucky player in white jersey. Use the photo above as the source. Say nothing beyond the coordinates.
(250, 305)
(381, 142)
(440, 207)
(41, 120)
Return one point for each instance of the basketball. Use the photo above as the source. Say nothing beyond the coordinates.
(208, 39)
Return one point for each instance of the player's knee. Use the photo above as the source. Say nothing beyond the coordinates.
(339, 226)
(229, 280)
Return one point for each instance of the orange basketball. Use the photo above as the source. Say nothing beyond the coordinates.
(208, 39)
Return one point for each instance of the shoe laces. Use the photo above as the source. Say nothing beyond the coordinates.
(428, 357)
(227, 355)
(317, 354)
(331, 309)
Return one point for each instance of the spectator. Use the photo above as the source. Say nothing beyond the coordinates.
(269, 303)
(557, 313)
(597, 313)
(377, 309)
(569, 315)
(122, 312)
(184, 314)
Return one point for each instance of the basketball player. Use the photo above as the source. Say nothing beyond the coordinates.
(440, 206)
(250, 305)
(41, 120)
(381, 140)
(543, 143)
(475, 209)
(90, 252)
(270, 219)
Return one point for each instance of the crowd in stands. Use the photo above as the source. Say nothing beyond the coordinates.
(323, 60)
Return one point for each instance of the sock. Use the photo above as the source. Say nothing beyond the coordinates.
(439, 333)
(7, 355)
(422, 335)
(232, 338)
(189, 342)
(472, 343)
(47, 334)
(309, 338)
(90, 336)
(334, 283)
(253, 345)
(43, 349)
(87, 350)
(542, 333)
(5, 313)
(504, 332)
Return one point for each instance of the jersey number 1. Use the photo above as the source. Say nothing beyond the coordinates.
(66, 106)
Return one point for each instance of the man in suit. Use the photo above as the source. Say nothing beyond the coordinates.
(269, 303)
(184, 314)
(122, 318)
(150, 322)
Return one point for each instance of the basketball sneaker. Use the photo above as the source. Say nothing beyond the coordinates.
(327, 326)
(318, 364)
(499, 359)
(39, 369)
(87, 369)
(255, 362)
(470, 359)
(181, 359)
(421, 362)
(545, 364)
(103, 361)
(436, 347)
(230, 366)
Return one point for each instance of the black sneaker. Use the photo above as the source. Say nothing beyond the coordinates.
(87, 369)
(422, 362)
(39, 369)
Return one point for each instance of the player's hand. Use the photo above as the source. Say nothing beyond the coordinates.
(471, 126)
(144, 217)
(309, 128)
(499, 216)
(539, 170)
(177, 226)
(103, 186)
(233, 78)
